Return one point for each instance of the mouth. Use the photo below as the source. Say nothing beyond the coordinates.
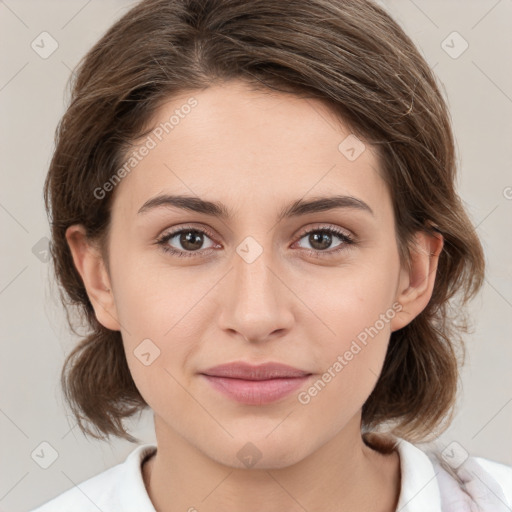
(255, 385)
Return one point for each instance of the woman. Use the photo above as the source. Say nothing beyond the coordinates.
(253, 205)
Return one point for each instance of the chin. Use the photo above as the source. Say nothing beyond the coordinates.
(259, 450)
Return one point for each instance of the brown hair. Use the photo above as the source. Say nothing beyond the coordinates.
(355, 58)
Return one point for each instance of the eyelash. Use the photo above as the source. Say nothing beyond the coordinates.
(346, 239)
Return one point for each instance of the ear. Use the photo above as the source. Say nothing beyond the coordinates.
(91, 267)
(416, 284)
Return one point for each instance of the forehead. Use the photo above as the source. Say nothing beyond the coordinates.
(246, 147)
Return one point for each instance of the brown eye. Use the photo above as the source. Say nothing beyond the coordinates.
(321, 239)
(185, 242)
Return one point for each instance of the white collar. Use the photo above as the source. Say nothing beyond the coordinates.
(419, 490)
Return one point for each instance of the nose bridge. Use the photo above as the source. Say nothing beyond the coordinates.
(256, 304)
(254, 282)
(254, 277)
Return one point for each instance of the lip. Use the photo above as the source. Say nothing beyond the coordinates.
(255, 384)
(246, 371)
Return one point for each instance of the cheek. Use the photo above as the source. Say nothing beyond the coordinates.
(354, 310)
(349, 300)
(351, 358)
(162, 312)
(151, 297)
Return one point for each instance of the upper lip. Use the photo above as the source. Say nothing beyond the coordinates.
(246, 371)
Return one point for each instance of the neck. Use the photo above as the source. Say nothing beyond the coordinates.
(344, 474)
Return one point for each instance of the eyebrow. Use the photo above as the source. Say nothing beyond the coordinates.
(217, 209)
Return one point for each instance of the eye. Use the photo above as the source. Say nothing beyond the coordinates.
(321, 238)
(191, 241)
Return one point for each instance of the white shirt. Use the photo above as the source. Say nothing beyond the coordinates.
(425, 486)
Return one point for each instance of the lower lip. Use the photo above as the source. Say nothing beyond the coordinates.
(256, 392)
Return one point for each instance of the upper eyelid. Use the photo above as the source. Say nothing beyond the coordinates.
(173, 232)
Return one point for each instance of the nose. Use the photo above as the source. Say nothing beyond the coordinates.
(256, 303)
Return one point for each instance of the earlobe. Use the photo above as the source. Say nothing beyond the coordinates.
(416, 284)
(91, 267)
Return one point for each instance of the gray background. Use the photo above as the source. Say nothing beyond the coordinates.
(35, 338)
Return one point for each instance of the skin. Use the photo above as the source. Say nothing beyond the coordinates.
(256, 153)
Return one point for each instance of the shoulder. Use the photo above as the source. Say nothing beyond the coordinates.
(486, 482)
(118, 488)
(452, 480)
(501, 473)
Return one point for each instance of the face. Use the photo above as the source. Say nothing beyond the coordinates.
(315, 289)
